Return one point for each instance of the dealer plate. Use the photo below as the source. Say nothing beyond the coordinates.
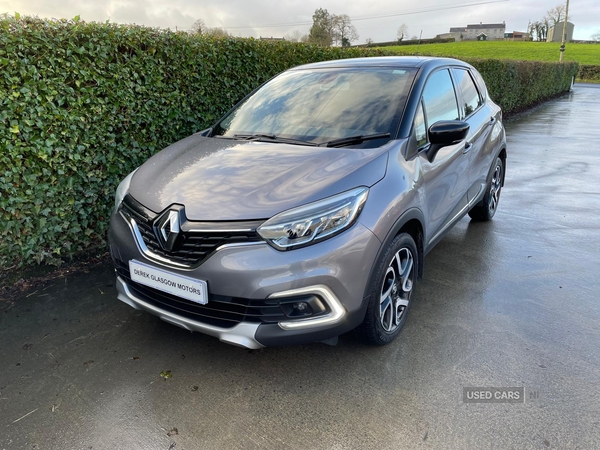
(171, 283)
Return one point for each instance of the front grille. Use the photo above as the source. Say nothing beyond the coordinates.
(220, 311)
(195, 247)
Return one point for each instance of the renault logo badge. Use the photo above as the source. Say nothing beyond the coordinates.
(168, 228)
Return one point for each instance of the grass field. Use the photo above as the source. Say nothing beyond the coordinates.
(537, 51)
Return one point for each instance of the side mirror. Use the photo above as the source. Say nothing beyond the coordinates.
(444, 133)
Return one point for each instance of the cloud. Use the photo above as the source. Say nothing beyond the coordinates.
(252, 14)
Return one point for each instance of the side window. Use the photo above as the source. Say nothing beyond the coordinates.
(470, 95)
(419, 126)
(439, 99)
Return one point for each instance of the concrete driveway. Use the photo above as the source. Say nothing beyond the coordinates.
(511, 303)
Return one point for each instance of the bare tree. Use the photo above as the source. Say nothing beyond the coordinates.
(342, 30)
(305, 38)
(535, 30)
(596, 36)
(294, 36)
(556, 15)
(216, 32)
(369, 42)
(544, 27)
(402, 32)
(530, 29)
(539, 28)
(199, 27)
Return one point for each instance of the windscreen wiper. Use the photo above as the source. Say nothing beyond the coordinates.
(353, 139)
(273, 138)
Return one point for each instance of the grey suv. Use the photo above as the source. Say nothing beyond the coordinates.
(306, 211)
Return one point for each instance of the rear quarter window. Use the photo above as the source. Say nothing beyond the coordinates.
(469, 91)
(480, 83)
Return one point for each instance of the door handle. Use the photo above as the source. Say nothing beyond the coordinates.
(492, 120)
(468, 146)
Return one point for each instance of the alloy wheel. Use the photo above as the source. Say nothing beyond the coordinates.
(496, 186)
(396, 289)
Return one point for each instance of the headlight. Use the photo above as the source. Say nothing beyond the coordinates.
(122, 189)
(315, 221)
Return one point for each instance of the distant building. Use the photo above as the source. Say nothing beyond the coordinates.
(555, 32)
(458, 33)
(517, 36)
(456, 36)
(481, 31)
(271, 39)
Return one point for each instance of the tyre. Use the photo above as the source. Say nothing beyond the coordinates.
(486, 208)
(391, 292)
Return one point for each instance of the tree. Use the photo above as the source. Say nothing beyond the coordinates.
(342, 30)
(320, 31)
(535, 27)
(369, 42)
(596, 36)
(305, 39)
(539, 28)
(216, 32)
(544, 27)
(199, 27)
(530, 29)
(556, 15)
(294, 36)
(402, 32)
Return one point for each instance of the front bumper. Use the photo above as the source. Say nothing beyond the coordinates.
(242, 334)
(247, 281)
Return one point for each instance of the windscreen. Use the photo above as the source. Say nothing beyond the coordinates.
(323, 104)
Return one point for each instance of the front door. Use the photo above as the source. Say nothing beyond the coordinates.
(446, 179)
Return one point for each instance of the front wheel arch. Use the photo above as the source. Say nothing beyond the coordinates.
(391, 291)
(411, 222)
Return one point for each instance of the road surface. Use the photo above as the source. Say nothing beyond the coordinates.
(510, 303)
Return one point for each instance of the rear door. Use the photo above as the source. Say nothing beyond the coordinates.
(446, 179)
(477, 114)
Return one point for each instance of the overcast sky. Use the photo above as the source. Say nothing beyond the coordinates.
(254, 14)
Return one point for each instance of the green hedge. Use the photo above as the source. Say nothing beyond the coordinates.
(83, 104)
(517, 85)
(589, 73)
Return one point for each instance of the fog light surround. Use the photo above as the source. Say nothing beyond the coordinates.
(304, 306)
(335, 311)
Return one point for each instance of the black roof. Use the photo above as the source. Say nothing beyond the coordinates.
(486, 25)
(377, 61)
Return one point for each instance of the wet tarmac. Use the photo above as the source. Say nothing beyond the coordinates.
(510, 303)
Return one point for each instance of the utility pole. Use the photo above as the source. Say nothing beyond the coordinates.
(564, 33)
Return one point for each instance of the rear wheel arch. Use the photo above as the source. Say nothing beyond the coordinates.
(502, 156)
